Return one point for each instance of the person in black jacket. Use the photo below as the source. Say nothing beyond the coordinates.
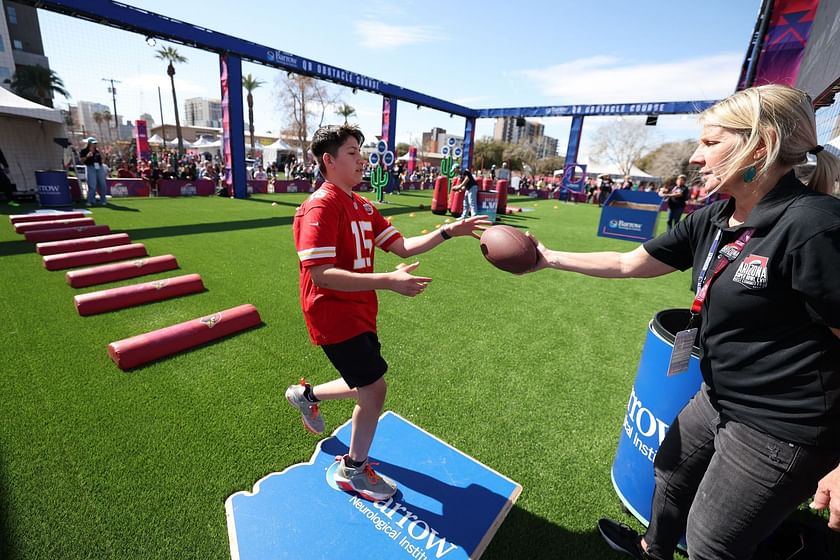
(762, 433)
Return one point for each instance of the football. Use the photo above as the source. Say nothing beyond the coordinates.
(508, 249)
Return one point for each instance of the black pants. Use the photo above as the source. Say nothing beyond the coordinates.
(727, 485)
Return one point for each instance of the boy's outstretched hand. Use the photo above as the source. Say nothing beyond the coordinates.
(404, 283)
(471, 226)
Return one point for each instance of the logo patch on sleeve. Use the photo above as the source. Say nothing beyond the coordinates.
(752, 272)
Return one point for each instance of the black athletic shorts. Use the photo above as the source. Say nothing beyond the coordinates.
(358, 359)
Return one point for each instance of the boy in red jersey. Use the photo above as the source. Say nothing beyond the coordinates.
(335, 233)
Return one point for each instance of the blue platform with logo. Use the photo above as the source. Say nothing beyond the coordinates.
(447, 505)
(630, 215)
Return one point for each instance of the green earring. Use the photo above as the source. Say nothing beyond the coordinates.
(749, 174)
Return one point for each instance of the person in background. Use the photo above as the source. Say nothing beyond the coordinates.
(677, 198)
(469, 185)
(94, 172)
(762, 434)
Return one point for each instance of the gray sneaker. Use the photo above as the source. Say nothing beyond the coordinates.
(309, 413)
(363, 480)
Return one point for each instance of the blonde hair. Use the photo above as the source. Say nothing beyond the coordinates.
(782, 119)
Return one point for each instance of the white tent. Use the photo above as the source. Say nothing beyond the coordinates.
(598, 168)
(27, 131)
(273, 151)
(156, 140)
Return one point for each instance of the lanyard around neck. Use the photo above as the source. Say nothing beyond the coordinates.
(728, 254)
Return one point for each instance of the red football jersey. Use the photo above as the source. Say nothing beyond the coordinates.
(334, 228)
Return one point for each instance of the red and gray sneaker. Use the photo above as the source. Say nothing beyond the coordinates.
(363, 480)
(309, 413)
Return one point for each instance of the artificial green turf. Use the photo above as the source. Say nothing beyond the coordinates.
(529, 375)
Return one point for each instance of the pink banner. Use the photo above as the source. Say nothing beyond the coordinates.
(127, 187)
(785, 42)
(259, 186)
(141, 137)
(228, 178)
(179, 187)
(295, 186)
(412, 160)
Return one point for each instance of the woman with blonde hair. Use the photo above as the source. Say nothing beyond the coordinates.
(763, 432)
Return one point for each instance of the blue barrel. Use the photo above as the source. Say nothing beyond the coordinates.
(655, 401)
(53, 189)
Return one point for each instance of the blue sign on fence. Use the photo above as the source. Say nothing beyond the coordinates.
(447, 505)
(630, 215)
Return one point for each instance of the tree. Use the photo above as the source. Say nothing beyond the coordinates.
(98, 117)
(301, 99)
(171, 54)
(402, 149)
(345, 111)
(251, 83)
(621, 143)
(670, 159)
(548, 165)
(488, 152)
(520, 157)
(106, 118)
(38, 84)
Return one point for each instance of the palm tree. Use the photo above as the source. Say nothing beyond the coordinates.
(98, 117)
(171, 54)
(38, 84)
(345, 111)
(251, 83)
(106, 118)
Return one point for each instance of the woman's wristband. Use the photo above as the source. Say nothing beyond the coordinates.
(444, 234)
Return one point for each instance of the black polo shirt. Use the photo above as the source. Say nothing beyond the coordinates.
(768, 354)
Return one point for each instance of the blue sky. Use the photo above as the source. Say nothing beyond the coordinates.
(489, 54)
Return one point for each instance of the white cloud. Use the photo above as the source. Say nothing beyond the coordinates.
(376, 34)
(605, 79)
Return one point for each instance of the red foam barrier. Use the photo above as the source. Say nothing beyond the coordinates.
(120, 271)
(42, 217)
(456, 203)
(138, 350)
(502, 195)
(94, 256)
(128, 296)
(66, 233)
(439, 196)
(82, 244)
(23, 227)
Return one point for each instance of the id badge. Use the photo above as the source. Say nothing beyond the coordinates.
(681, 354)
(96, 166)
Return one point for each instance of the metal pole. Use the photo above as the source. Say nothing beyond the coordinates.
(113, 92)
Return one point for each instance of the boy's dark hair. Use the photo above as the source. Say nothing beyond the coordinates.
(328, 139)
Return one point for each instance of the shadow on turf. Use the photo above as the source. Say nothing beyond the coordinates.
(7, 546)
(522, 535)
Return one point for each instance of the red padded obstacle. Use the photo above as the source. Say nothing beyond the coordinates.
(456, 203)
(120, 271)
(485, 184)
(501, 196)
(94, 256)
(83, 244)
(23, 227)
(43, 217)
(66, 233)
(128, 296)
(439, 196)
(138, 350)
